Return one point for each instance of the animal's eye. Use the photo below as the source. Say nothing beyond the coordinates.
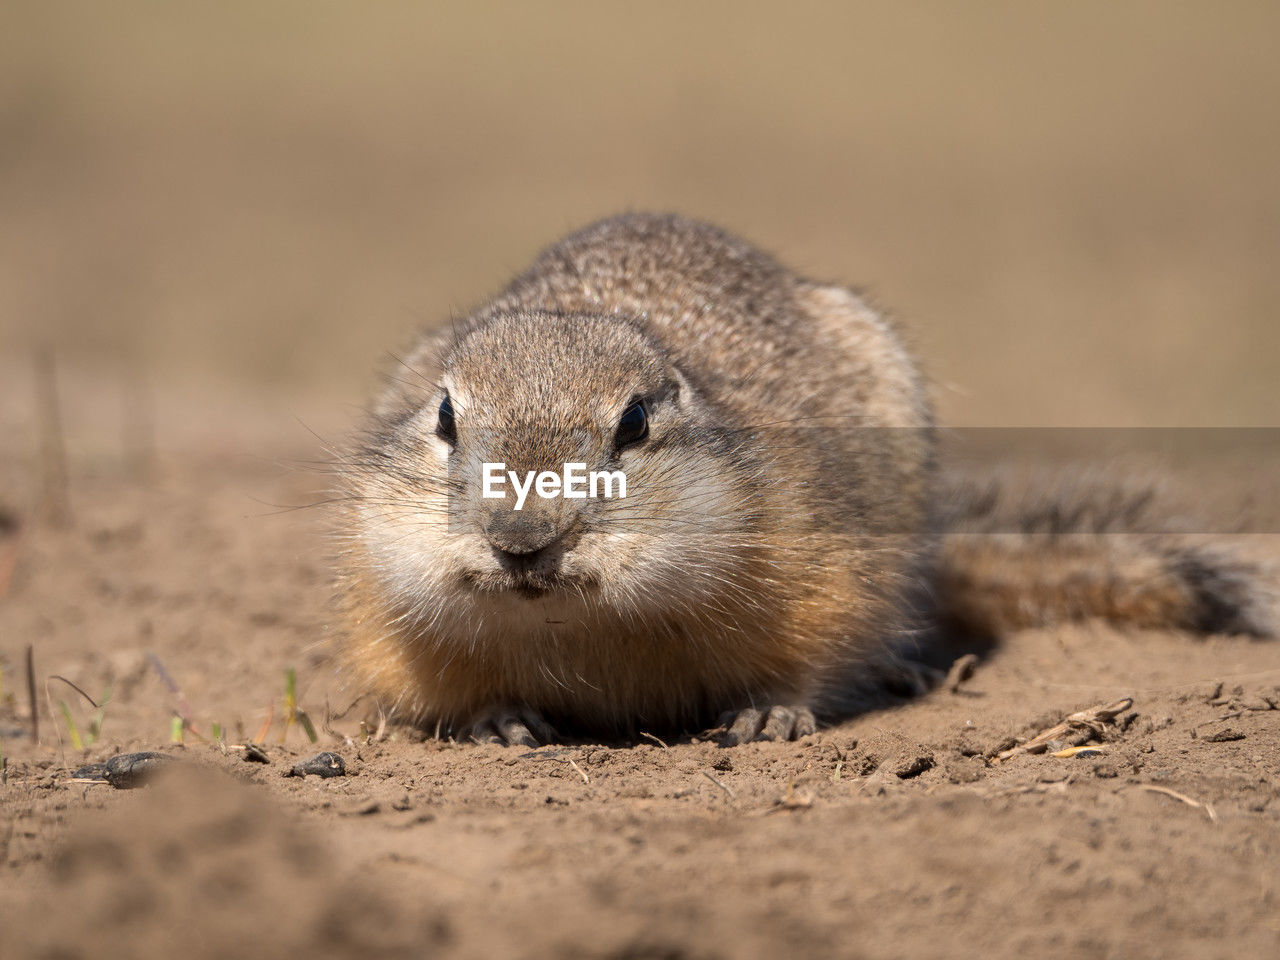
(445, 427)
(633, 426)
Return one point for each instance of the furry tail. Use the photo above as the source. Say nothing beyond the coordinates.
(1077, 549)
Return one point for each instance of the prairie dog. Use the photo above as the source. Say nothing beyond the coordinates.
(777, 545)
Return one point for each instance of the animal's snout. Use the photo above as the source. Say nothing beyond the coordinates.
(519, 532)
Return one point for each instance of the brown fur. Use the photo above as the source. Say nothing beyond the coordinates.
(777, 542)
(1038, 550)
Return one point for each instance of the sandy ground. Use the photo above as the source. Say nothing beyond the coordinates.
(891, 835)
(217, 218)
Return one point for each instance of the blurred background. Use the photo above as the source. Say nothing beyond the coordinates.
(244, 206)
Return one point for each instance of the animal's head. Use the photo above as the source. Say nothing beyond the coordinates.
(501, 411)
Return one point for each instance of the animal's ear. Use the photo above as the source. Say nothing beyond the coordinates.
(678, 390)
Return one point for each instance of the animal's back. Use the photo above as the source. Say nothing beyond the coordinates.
(745, 328)
(825, 380)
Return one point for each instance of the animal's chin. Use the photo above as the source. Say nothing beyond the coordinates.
(528, 586)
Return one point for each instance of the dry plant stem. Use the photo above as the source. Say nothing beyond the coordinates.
(725, 787)
(31, 694)
(184, 708)
(266, 724)
(62, 750)
(330, 717)
(1093, 720)
(92, 702)
(1152, 788)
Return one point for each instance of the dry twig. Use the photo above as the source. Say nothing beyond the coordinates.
(1091, 723)
(31, 694)
(1152, 788)
(725, 787)
(184, 708)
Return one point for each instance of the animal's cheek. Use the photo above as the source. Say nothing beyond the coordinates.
(684, 488)
(604, 547)
(465, 551)
(418, 558)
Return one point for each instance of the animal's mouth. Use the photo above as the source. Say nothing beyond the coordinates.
(530, 585)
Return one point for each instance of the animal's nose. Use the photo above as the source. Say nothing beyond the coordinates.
(520, 533)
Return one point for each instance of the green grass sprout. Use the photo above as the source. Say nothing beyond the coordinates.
(292, 714)
(307, 727)
(73, 731)
(99, 715)
(290, 701)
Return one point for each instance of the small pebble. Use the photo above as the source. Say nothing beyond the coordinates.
(253, 753)
(321, 765)
(1225, 736)
(94, 771)
(128, 770)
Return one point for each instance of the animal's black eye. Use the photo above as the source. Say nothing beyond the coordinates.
(445, 426)
(633, 426)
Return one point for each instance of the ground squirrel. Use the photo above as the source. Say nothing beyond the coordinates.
(777, 554)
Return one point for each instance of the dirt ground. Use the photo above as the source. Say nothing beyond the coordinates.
(891, 835)
(215, 219)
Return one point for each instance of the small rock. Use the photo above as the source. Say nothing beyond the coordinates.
(1224, 736)
(125, 771)
(94, 771)
(324, 765)
(1008, 743)
(254, 753)
(912, 765)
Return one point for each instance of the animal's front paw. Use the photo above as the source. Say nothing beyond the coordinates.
(511, 728)
(770, 723)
